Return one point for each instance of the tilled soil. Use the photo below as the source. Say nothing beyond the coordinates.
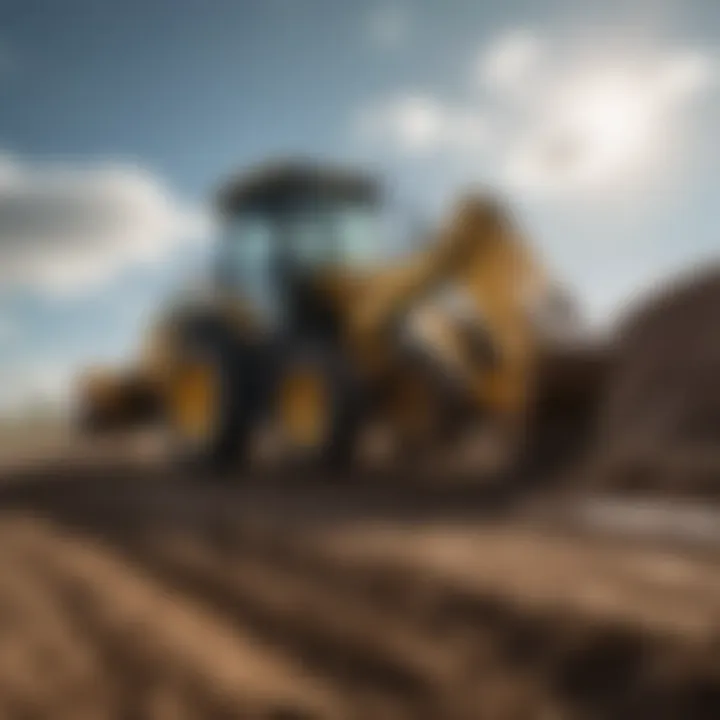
(125, 593)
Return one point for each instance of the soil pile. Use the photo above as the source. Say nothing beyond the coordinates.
(659, 425)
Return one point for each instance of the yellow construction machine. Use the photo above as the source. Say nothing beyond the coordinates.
(312, 333)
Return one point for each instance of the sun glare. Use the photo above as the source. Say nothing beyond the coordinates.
(610, 123)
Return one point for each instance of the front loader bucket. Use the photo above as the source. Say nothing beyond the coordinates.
(108, 402)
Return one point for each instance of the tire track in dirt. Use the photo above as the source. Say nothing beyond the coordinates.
(499, 660)
(37, 641)
(376, 657)
(197, 607)
(157, 649)
(386, 664)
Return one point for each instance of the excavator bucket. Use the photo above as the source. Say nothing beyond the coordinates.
(562, 417)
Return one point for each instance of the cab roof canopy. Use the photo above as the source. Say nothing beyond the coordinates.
(277, 185)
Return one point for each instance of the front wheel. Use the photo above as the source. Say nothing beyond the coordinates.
(210, 404)
(317, 408)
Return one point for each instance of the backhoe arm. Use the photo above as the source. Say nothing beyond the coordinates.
(395, 291)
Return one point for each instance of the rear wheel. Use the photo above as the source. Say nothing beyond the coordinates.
(210, 404)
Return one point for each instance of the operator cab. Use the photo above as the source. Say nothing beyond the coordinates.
(286, 223)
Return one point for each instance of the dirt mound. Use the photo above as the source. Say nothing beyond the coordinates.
(659, 425)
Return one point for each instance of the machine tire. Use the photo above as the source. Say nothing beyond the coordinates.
(337, 449)
(234, 365)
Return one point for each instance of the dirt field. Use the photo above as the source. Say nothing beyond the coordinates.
(125, 593)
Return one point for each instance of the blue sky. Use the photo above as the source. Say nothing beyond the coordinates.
(118, 119)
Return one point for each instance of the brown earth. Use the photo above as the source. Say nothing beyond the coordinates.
(659, 424)
(125, 593)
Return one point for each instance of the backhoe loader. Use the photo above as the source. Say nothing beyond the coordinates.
(309, 332)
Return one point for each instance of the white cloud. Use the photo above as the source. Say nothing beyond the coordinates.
(510, 60)
(389, 25)
(611, 119)
(560, 117)
(67, 229)
(418, 124)
(683, 74)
